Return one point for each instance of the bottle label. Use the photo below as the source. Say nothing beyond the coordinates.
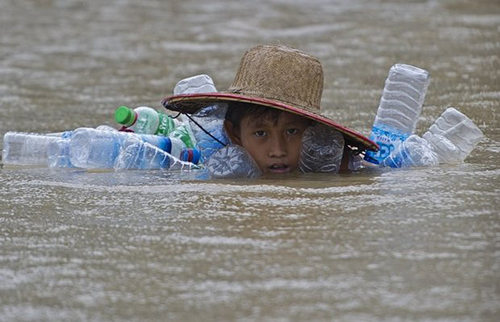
(182, 133)
(399, 160)
(166, 125)
(388, 141)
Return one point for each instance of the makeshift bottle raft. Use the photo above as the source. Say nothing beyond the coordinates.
(149, 139)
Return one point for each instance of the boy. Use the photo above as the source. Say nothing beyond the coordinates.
(272, 137)
(275, 96)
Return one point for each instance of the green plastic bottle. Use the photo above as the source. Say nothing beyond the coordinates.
(145, 120)
(184, 133)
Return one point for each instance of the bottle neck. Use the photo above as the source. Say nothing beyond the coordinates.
(133, 119)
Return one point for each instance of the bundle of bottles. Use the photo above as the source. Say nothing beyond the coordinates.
(149, 139)
(449, 140)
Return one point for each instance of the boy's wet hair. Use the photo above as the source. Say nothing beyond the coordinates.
(237, 111)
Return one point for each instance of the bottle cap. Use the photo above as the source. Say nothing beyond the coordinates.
(125, 116)
(191, 155)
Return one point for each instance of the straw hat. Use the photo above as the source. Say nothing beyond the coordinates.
(279, 77)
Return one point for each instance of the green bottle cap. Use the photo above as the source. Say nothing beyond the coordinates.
(125, 116)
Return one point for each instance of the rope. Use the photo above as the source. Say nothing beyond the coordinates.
(201, 127)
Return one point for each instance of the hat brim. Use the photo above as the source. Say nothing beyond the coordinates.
(191, 103)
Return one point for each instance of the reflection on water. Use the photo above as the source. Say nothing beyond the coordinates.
(378, 245)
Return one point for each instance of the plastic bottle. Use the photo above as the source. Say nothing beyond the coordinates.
(196, 84)
(232, 162)
(450, 140)
(322, 150)
(399, 109)
(185, 132)
(210, 118)
(453, 136)
(413, 152)
(58, 154)
(28, 148)
(145, 120)
(105, 127)
(58, 150)
(143, 155)
(95, 149)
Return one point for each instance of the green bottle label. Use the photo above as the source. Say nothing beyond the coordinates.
(182, 133)
(166, 125)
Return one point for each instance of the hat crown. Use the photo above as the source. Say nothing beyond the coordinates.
(282, 74)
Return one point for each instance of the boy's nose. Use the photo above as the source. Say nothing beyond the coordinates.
(277, 147)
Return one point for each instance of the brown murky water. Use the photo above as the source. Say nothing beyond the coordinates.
(415, 245)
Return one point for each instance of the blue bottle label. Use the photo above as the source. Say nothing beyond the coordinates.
(399, 160)
(165, 144)
(388, 140)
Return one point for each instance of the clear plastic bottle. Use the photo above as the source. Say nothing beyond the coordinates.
(413, 152)
(184, 133)
(28, 148)
(145, 120)
(196, 84)
(399, 109)
(449, 140)
(96, 149)
(322, 150)
(58, 154)
(138, 154)
(210, 118)
(232, 162)
(453, 136)
(213, 124)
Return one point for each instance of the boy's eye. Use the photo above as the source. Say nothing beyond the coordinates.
(260, 133)
(292, 131)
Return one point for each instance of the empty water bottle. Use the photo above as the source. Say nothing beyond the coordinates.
(449, 140)
(58, 150)
(399, 109)
(413, 152)
(322, 150)
(231, 162)
(95, 149)
(145, 120)
(195, 84)
(58, 154)
(137, 154)
(453, 136)
(105, 127)
(28, 148)
(209, 119)
(184, 133)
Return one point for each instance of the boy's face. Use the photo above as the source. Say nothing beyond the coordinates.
(275, 146)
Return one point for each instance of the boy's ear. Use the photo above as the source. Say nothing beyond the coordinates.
(232, 132)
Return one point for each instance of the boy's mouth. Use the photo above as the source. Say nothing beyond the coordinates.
(279, 168)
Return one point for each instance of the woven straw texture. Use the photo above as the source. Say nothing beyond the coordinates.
(280, 73)
(279, 77)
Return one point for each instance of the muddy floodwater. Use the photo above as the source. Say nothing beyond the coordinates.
(411, 245)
